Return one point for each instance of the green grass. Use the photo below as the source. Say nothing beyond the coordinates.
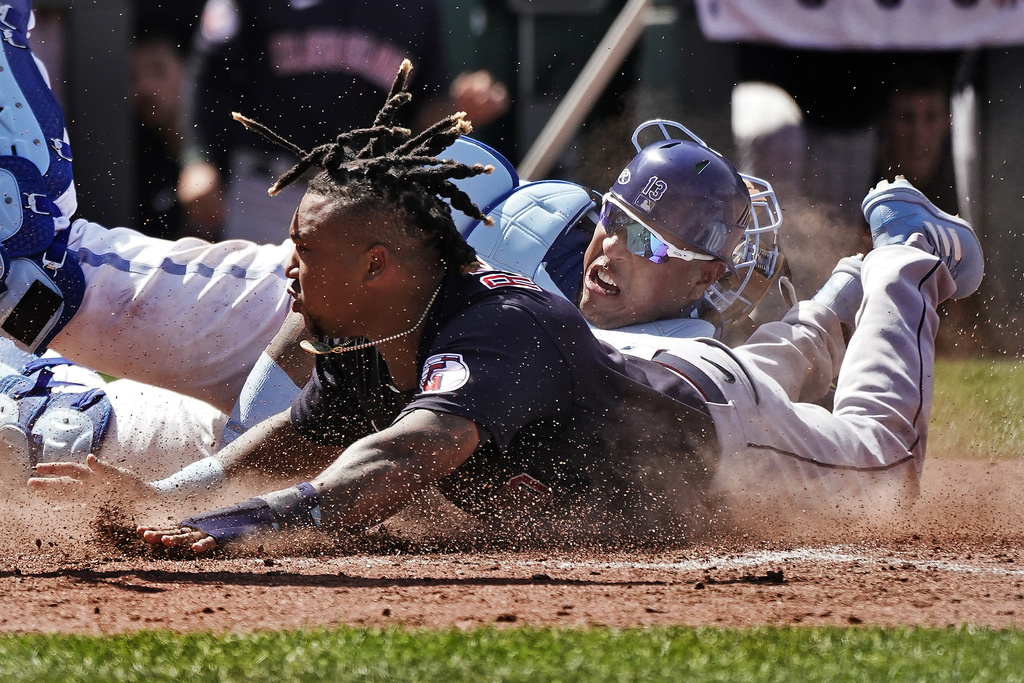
(661, 654)
(978, 410)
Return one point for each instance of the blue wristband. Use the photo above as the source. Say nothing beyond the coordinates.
(296, 507)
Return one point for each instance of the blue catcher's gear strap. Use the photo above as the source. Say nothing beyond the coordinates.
(295, 508)
(45, 382)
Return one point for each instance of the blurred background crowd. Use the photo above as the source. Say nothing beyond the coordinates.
(149, 86)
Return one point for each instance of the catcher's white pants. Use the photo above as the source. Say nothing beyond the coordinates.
(868, 450)
(185, 315)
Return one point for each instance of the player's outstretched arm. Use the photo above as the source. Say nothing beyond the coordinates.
(273, 448)
(379, 475)
(370, 481)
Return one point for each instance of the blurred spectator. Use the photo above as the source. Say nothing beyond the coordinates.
(915, 130)
(306, 69)
(827, 155)
(162, 36)
(158, 70)
(824, 142)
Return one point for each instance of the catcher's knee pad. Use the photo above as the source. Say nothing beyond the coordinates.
(486, 189)
(46, 420)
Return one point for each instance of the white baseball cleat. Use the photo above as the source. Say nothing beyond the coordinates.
(897, 210)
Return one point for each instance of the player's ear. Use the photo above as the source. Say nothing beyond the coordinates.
(377, 260)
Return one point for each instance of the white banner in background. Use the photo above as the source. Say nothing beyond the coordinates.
(866, 24)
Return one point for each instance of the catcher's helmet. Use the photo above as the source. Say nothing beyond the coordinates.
(686, 190)
(711, 207)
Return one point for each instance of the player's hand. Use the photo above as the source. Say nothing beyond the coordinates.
(101, 480)
(479, 95)
(200, 193)
(178, 537)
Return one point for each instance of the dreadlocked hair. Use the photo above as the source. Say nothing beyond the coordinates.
(387, 163)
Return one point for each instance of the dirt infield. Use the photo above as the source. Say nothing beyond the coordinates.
(958, 559)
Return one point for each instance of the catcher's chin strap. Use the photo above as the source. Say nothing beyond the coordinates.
(788, 291)
(295, 508)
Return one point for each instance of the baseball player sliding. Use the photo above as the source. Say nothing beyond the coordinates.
(442, 393)
(432, 372)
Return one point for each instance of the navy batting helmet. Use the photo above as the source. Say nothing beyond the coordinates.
(685, 189)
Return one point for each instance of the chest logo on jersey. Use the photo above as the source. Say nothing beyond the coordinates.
(444, 372)
(499, 279)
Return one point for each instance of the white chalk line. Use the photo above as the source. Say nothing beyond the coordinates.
(768, 558)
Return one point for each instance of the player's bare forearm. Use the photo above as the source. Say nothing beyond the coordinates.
(370, 481)
(378, 475)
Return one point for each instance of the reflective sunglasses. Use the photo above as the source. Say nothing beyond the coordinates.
(639, 238)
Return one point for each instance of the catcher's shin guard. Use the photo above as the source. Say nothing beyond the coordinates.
(486, 189)
(31, 120)
(41, 283)
(530, 225)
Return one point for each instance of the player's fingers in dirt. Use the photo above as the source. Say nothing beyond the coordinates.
(177, 537)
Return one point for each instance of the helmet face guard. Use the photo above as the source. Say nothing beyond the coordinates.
(742, 210)
(758, 264)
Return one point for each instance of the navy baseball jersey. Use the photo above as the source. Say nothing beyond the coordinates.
(571, 427)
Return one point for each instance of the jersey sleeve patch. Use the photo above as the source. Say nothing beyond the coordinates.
(444, 372)
(497, 278)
